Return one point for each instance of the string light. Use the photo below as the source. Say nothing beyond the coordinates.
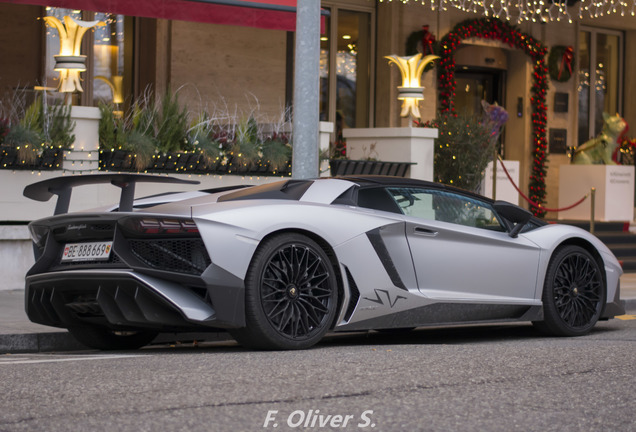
(188, 162)
(533, 10)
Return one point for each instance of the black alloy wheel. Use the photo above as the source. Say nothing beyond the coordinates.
(574, 293)
(291, 294)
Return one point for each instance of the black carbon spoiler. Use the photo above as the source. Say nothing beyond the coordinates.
(63, 186)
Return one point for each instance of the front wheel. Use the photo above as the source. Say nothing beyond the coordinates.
(290, 294)
(573, 293)
(106, 339)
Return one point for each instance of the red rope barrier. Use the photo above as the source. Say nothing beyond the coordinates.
(532, 203)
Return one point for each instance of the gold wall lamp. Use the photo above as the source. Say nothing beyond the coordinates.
(411, 91)
(69, 62)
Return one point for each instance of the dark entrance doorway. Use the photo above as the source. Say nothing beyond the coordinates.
(475, 85)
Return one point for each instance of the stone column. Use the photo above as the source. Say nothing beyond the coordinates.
(84, 154)
(403, 144)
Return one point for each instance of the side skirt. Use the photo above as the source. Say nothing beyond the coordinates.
(448, 314)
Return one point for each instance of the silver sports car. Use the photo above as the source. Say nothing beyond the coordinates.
(281, 264)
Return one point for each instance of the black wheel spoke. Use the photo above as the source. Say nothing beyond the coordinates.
(314, 304)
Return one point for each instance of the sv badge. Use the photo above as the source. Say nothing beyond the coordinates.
(381, 294)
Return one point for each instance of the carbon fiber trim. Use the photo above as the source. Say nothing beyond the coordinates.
(383, 253)
(117, 299)
(448, 314)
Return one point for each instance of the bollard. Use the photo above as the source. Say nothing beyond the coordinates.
(592, 208)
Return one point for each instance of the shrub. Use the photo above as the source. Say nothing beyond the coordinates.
(462, 151)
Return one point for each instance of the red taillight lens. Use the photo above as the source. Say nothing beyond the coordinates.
(149, 226)
(189, 226)
(170, 226)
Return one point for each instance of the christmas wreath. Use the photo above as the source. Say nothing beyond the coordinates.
(561, 63)
(423, 42)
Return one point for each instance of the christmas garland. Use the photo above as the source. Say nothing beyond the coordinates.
(494, 29)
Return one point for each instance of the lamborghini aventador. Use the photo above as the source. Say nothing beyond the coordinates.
(281, 264)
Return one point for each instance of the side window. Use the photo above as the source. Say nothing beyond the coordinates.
(377, 198)
(445, 206)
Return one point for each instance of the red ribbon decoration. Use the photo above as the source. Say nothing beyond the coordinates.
(566, 60)
(532, 203)
(427, 41)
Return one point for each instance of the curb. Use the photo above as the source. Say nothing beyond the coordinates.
(64, 341)
(39, 342)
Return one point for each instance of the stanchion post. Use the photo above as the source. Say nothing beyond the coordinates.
(592, 209)
(494, 175)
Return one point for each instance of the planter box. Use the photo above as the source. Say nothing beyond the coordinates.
(116, 160)
(614, 191)
(181, 162)
(342, 167)
(50, 159)
(505, 190)
(409, 145)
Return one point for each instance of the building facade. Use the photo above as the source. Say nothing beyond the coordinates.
(247, 70)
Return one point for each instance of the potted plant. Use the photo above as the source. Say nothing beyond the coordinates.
(35, 137)
(157, 135)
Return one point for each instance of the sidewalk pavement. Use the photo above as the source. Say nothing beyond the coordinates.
(19, 335)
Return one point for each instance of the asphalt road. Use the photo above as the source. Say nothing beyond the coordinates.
(506, 378)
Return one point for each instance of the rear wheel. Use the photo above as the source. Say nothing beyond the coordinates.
(291, 294)
(106, 339)
(573, 293)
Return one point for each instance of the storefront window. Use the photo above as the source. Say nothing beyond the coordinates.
(600, 79)
(108, 60)
(345, 68)
(352, 68)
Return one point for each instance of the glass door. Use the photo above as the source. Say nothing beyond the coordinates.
(473, 86)
(346, 50)
(600, 79)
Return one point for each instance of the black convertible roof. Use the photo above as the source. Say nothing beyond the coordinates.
(285, 190)
(294, 189)
(368, 180)
(377, 180)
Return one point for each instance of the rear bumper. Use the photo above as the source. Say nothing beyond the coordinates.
(125, 299)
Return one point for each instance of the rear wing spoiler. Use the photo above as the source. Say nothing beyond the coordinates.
(63, 186)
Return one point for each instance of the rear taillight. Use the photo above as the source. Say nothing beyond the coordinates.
(161, 226)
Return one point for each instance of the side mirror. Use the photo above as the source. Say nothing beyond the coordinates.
(514, 214)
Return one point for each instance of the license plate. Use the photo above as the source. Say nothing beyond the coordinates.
(96, 251)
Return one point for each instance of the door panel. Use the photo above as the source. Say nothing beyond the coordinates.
(462, 263)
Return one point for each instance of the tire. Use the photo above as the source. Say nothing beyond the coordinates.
(103, 338)
(574, 293)
(291, 295)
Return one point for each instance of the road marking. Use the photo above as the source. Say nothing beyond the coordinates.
(23, 360)
(626, 317)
